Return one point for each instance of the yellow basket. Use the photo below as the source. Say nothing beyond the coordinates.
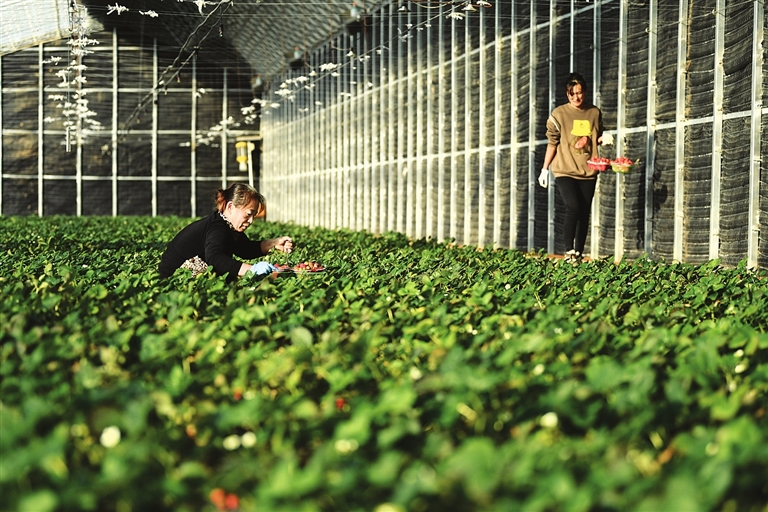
(622, 168)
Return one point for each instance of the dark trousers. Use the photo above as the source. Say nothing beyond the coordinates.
(577, 196)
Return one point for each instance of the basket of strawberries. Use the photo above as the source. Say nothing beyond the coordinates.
(622, 164)
(598, 164)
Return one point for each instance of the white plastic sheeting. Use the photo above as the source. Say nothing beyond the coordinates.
(27, 23)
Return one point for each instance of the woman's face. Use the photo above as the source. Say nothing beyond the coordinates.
(576, 96)
(241, 217)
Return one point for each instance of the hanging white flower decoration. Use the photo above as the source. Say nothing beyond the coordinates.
(119, 9)
(200, 4)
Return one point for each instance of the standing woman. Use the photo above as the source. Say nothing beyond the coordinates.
(574, 131)
(215, 239)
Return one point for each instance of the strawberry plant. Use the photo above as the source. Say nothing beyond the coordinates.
(409, 375)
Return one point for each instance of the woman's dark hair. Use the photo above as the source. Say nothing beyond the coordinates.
(573, 80)
(241, 194)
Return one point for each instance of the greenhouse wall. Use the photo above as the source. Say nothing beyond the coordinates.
(431, 122)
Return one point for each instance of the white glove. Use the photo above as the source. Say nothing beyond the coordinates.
(262, 268)
(544, 178)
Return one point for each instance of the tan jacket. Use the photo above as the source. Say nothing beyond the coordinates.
(574, 132)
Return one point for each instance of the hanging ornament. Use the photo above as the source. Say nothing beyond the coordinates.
(355, 12)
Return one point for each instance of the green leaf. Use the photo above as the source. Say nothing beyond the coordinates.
(39, 501)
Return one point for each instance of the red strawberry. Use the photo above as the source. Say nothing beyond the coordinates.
(219, 498)
(232, 502)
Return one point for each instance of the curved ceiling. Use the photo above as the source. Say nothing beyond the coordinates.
(26, 23)
(262, 33)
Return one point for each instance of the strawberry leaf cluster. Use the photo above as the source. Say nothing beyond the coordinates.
(410, 375)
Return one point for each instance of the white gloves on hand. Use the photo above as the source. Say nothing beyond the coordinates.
(544, 178)
(262, 268)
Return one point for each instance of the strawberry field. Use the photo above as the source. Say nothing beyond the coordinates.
(409, 376)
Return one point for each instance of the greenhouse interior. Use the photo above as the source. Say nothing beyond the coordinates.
(323, 256)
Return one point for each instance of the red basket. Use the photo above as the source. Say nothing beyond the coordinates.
(598, 165)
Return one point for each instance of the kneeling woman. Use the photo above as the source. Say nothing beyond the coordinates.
(215, 239)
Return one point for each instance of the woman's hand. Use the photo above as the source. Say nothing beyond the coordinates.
(282, 244)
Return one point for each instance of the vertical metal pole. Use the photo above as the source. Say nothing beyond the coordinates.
(650, 151)
(291, 135)
(621, 114)
(1, 138)
(304, 153)
(250, 148)
(515, 146)
(597, 69)
(361, 167)
(482, 199)
(79, 152)
(316, 158)
(40, 128)
(717, 131)
(224, 129)
(266, 152)
(392, 164)
(325, 150)
(154, 128)
(497, 99)
(755, 138)
(330, 151)
(193, 142)
(429, 188)
(332, 138)
(366, 144)
(296, 146)
(532, 127)
(418, 156)
(401, 164)
(370, 137)
(341, 154)
(469, 122)
(454, 129)
(552, 104)
(115, 100)
(384, 107)
(682, 37)
(327, 141)
(348, 156)
(572, 34)
(411, 127)
(441, 115)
